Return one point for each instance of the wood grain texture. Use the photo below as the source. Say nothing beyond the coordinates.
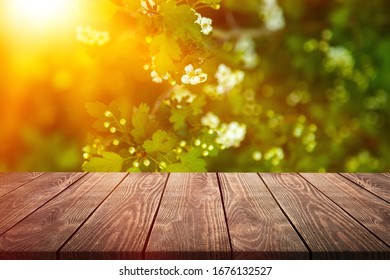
(329, 232)
(10, 181)
(51, 225)
(365, 207)
(119, 228)
(90, 216)
(375, 183)
(21, 202)
(190, 223)
(258, 228)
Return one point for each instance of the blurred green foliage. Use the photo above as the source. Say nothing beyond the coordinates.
(291, 86)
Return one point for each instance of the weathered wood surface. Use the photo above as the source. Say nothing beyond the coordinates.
(120, 227)
(258, 228)
(190, 223)
(371, 211)
(375, 183)
(329, 232)
(194, 216)
(18, 204)
(51, 226)
(10, 181)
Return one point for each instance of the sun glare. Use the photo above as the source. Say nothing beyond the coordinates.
(38, 13)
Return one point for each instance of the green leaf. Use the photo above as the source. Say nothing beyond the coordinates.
(109, 162)
(144, 124)
(177, 167)
(161, 142)
(96, 109)
(134, 170)
(99, 125)
(97, 10)
(189, 162)
(165, 50)
(197, 105)
(178, 118)
(180, 20)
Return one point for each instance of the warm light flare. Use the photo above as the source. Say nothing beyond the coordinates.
(38, 13)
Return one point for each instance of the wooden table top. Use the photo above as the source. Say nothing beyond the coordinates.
(194, 216)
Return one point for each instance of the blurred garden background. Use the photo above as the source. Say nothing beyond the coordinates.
(250, 85)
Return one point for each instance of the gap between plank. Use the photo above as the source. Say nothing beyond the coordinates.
(344, 210)
(86, 219)
(367, 190)
(23, 184)
(288, 218)
(78, 179)
(154, 219)
(224, 212)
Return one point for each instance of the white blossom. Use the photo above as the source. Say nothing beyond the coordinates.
(227, 79)
(246, 48)
(205, 23)
(193, 76)
(275, 155)
(231, 135)
(132, 150)
(180, 94)
(156, 77)
(210, 120)
(339, 58)
(272, 15)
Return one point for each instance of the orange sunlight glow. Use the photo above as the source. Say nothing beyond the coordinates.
(40, 14)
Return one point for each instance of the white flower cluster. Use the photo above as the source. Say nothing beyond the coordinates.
(339, 58)
(193, 76)
(228, 134)
(231, 135)
(275, 155)
(156, 77)
(246, 48)
(227, 79)
(90, 36)
(205, 23)
(272, 15)
(210, 120)
(181, 94)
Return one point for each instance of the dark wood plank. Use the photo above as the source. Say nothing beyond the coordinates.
(50, 226)
(369, 210)
(375, 183)
(19, 203)
(10, 181)
(258, 228)
(120, 226)
(329, 232)
(190, 223)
